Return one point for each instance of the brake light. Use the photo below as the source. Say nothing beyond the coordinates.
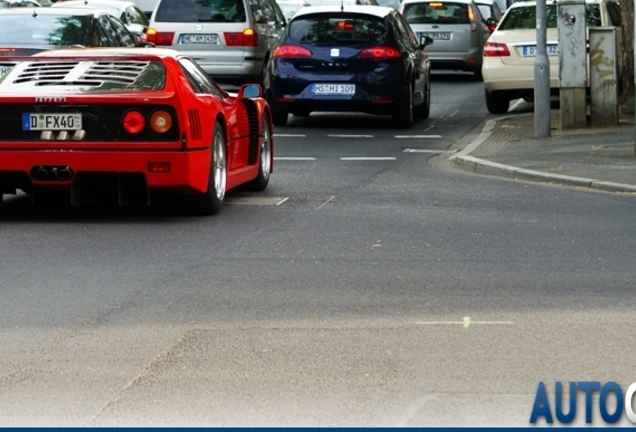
(291, 51)
(158, 38)
(161, 121)
(344, 25)
(133, 122)
(473, 21)
(380, 53)
(247, 38)
(495, 49)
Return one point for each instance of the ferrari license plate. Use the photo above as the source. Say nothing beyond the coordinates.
(51, 122)
(199, 39)
(333, 89)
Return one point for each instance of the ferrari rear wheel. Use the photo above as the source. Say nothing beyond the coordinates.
(265, 160)
(210, 202)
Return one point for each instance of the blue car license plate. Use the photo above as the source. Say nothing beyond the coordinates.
(333, 89)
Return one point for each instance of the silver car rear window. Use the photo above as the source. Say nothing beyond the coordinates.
(187, 11)
(338, 28)
(40, 29)
(436, 13)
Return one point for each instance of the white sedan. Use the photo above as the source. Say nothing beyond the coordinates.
(508, 67)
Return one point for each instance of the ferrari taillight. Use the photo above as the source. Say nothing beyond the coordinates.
(246, 38)
(496, 49)
(160, 121)
(291, 51)
(133, 122)
(380, 53)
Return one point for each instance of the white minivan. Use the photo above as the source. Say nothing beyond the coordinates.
(230, 39)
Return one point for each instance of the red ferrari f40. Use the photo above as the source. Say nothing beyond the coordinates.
(130, 126)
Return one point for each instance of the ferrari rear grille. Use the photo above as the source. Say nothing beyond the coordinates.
(119, 72)
(92, 73)
(45, 71)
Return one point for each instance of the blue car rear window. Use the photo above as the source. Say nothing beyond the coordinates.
(338, 29)
(436, 13)
(525, 18)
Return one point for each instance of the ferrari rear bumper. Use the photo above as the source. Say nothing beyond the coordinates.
(84, 171)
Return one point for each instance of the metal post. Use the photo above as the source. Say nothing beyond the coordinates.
(542, 105)
(572, 63)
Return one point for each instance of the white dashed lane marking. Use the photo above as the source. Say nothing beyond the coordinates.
(278, 158)
(360, 136)
(417, 136)
(411, 150)
(289, 136)
(258, 201)
(367, 158)
(350, 136)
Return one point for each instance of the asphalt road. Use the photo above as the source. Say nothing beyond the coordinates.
(369, 285)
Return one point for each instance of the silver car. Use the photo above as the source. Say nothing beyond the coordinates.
(457, 27)
(230, 39)
(128, 12)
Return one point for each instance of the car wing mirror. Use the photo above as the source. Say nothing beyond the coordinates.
(250, 91)
(425, 41)
(492, 24)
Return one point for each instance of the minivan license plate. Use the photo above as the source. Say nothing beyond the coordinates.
(333, 89)
(199, 39)
(435, 36)
(51, 122)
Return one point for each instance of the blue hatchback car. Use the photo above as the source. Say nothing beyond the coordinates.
(349, 58)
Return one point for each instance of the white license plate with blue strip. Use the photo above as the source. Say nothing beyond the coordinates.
(531, 51)
(333, 89)
(51, 122)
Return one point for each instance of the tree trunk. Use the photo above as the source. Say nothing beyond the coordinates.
(626, 72)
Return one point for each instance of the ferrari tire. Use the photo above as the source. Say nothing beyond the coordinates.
(210, 202)
(403, 115)
(496, 104)
(265, 159)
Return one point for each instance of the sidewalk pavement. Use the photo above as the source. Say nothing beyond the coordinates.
(600, 158)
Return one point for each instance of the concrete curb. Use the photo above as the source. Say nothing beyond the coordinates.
(466, 162)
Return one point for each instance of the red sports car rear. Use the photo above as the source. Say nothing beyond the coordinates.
(129, 127)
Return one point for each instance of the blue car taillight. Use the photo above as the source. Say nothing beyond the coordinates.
(291, 51)
(380, 53)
